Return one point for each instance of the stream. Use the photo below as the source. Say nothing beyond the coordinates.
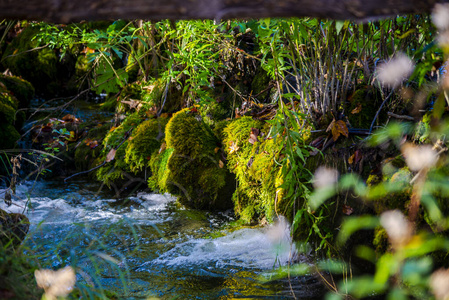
(144, 245)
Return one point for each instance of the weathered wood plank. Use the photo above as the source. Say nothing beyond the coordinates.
(65, 11)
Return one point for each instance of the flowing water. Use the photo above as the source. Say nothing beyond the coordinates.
(145, 246)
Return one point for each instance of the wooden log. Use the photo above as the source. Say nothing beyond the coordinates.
(66, 11)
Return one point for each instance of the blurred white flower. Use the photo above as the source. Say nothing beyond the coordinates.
(394, 72)
(56, 283)
(443, 39)
(325, 177)
(440, 16)
(419, 157)
(279, 232)
(439, 284)
(398, 228)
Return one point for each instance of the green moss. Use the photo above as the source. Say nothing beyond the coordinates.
(7, 108)
(152, 94)
(20, 88)
(195, 173)
(85, 156)
(8, 136)
(145, 139)
(260, 82)
(399, 199)
(253, 164)
(116, 138)
(159, 170)
(116, 134)
(364, 99)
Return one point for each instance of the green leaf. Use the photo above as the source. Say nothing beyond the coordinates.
(319, 196)
(353, 224)
(339, 25)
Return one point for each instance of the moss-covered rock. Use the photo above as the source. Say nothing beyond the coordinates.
(117, 138)
(46, 69)
(19, 88)
(38, 67)
(8, 118)
(253, 163)
(144, 141)
(196, 170)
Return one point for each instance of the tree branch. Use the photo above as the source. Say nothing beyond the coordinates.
(66, 11)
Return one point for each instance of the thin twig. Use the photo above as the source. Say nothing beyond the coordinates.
(378, 111)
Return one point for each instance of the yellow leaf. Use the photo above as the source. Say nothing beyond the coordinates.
(339, 127)
(351, 159)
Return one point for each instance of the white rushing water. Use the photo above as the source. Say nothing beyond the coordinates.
(262, 248)
(169, 251)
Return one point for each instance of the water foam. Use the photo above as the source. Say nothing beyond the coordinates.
(261, 248)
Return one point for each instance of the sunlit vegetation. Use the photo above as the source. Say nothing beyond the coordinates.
(338, 126)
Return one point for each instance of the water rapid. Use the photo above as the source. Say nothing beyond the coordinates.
(144, 245)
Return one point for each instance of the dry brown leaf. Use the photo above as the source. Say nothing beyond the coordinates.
(111, 155)
(351, 159)
(357, 109)
(162, 148)
(216, 149)
(253, 135)
(331, 125)
(132, 103)
(339, 128)
(220, 164)
(70, 118)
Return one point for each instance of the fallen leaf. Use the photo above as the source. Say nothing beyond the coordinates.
(347, 210)
(216, 149)
(357, 156)
(357, 109)
(70, 118)
(339, 128)
(132, 103)
(331, 125)
(111, 155)
(220, 164)
(351, 159)
(253, 135)
(162, 148)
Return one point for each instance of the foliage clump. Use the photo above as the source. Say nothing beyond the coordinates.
(196, 170)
